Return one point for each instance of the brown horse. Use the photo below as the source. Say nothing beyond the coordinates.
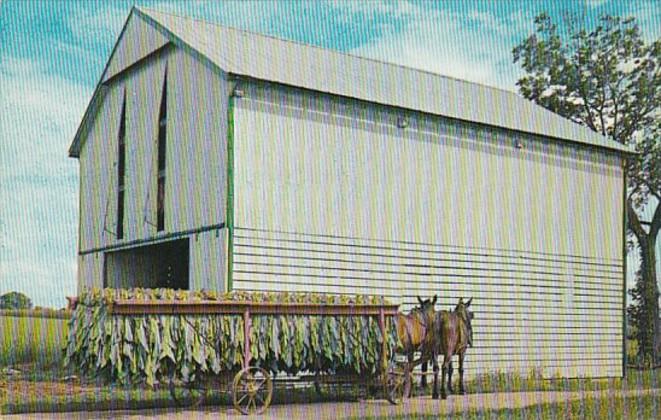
(416, 331)
(455, 333)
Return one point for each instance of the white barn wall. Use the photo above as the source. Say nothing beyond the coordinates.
(96, 171)
(197, 146)
(144, 88)
(346, 177)
(195, 166)
(99, 159)
(95, 179)
(90, 271)
(334, 198)
(208, 260)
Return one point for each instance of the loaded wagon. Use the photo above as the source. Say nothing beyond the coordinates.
(246, 345)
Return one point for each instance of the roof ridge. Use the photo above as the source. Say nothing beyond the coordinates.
(389, 63)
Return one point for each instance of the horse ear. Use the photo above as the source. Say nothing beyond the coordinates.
(469, 302)
(461, 301)
(433, 302)
(419, 300)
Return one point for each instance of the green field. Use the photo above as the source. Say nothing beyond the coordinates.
(33, 340)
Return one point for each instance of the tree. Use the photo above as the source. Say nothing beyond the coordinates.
(608, 79)
(15, 300)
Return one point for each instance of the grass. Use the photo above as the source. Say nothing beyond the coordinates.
(31, 340)
(27, 397)
(514, 382)
(619, 407)
(37, 313)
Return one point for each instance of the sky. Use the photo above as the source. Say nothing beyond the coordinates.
(52, 54)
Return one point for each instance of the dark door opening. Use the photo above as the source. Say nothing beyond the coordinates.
(152, 266)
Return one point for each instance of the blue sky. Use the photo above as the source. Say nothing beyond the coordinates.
(52, 54)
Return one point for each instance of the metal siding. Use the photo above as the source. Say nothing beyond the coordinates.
(332, 176)
(554, 326)
(208, 252)
(196, 167)
(143, 90)
(138, 40)
(90, 271)
(97, 160)
(326, 202)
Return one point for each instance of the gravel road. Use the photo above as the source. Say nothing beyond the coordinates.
(345, 410)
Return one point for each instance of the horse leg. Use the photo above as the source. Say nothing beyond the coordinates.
(423, 380)
(409, 368)
(444, 370)
(461, 373)
(435, 366)
(450, 370)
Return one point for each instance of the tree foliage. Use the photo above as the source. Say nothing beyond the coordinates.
(15, 300)
(609, 80)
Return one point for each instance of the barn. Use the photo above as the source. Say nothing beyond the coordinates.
(213, 158)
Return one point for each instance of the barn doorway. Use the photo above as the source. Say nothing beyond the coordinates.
(152, 266)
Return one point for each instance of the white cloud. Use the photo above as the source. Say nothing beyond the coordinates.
(472, 47)
(39, 113)
(98, 26)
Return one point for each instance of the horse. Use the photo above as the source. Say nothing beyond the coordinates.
(455, 335)
(416, 331)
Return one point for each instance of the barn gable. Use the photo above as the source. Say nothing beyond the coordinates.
(137, 40)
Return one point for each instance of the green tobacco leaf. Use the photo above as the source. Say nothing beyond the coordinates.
(147, 347)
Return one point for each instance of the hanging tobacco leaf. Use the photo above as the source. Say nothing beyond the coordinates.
(148, 348)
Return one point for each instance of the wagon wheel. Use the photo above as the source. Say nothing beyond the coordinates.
(397, 382)
(187, 394)
(253, 389)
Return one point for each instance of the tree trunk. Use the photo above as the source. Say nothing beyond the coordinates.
(650, 293)
(648, 266)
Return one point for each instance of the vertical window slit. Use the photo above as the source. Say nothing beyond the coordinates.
(162, 134)
(121, 169)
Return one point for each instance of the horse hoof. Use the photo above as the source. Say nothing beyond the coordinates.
(444, 397)
(434, 396)
(462, 392)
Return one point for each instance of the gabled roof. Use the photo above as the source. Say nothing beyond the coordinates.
(271, 59)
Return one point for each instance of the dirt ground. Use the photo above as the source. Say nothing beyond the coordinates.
(344, 410)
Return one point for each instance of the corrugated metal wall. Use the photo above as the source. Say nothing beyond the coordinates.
(334, 197)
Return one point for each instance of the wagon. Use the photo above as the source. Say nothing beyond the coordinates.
(251, 387)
